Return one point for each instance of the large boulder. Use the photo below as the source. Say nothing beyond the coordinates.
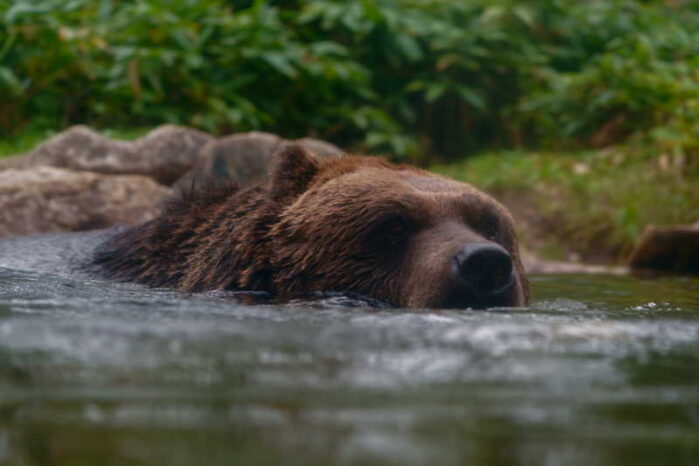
(671, 249)
(245, 157)
(164, 154)
(49, 199)
(79, 179)
(320, 148)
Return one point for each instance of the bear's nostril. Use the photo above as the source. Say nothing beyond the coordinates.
(484, 267)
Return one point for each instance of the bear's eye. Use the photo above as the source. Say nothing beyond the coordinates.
(491, 233)
(488, 225)
(391, 232)
(394, 228)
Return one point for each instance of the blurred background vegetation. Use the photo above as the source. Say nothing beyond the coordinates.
(584, 104)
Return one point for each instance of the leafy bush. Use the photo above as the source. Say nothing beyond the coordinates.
(407, 77)
(182, 61)
(642, 77)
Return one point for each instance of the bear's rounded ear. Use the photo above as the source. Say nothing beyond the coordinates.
(294, 168)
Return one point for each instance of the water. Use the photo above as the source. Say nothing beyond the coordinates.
(599, 370)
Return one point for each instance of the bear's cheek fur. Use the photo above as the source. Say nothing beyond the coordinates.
(320, 253)
(324, 264)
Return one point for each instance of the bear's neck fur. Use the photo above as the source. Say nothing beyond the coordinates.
(189, 246)
(218, 238)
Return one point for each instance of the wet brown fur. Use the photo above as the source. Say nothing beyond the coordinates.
(315, 225)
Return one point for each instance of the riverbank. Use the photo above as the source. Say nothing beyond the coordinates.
(589, 206)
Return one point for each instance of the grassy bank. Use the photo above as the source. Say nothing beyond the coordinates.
(589, 206)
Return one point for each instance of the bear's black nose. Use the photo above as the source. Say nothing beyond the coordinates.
(485, 268)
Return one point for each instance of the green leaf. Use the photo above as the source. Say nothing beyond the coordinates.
(409, 47)
(472, 97)
(280, 63)
(435, 91)
(18, 10)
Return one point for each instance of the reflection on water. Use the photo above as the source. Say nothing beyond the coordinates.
(598, 371)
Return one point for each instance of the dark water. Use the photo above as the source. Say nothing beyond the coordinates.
(599, 371)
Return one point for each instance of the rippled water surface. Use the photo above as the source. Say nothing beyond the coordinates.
(598, 371)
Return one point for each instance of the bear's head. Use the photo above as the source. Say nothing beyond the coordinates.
(394, 233)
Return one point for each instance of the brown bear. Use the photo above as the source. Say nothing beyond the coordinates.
(355, 224)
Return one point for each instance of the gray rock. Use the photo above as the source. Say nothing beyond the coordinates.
(49, 199)
(239, 157)
(320, 148)
(670, 249)
(245, 157)
(164, 154)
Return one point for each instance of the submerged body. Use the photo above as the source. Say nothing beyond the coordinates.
(353, 225)
(350, 225)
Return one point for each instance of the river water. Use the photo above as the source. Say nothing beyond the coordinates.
(600, 370)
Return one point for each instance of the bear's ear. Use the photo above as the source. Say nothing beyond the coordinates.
(294, 168)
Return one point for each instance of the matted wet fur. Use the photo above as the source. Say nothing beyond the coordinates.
(353, 224)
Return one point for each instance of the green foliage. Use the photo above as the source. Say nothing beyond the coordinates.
(406, 77)
(23, 142)
(639, 75)
(192, 62)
